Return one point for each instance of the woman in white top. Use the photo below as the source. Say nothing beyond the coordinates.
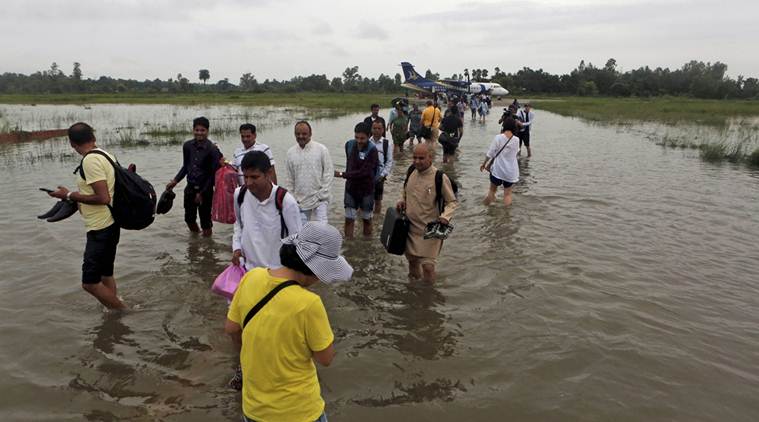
(501, 162)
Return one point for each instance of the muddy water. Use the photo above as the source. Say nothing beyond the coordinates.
(621, 285)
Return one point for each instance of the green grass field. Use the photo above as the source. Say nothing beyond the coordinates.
(336, 101)
(662, 109)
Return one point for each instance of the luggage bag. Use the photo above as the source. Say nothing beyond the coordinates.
(394, 232)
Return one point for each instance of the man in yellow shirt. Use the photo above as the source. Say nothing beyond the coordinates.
(94, 194)
(279, 342)
(431, 119)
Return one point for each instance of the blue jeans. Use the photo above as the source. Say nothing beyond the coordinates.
(322, 418)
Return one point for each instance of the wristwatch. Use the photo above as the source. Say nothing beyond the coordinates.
(68, 195)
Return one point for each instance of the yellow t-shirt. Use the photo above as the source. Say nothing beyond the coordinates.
(96, 168)
(279, 375)
(431, 117)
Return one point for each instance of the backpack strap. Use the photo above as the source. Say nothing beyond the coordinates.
(266, 300)
(410, 170)
(439, 190)
(384, 151)
(279, 201)
(80, 168)
(238, 204)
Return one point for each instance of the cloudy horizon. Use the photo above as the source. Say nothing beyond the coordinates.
(142, 39)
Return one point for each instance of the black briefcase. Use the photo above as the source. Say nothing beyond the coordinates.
(394, 232)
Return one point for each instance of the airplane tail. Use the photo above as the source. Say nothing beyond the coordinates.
(410, 74)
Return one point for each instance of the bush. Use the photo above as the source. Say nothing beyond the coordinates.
(713, 152)
(753, 158)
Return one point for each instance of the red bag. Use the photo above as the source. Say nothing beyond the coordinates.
(223, 207)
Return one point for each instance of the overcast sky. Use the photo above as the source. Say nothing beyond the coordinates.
(148, 39)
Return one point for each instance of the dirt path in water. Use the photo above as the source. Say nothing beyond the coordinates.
(37, 135)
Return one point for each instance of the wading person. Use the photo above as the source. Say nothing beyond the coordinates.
(374, 117)
(200, 160)
(361, 169)
(267, 213)
(95, 190)
(249, 141)
(398, 125)
(526, 116)
(280, 342)
(431, 121)
(422, 206)
(501, 163)
(309, 174)
(474, 105)
(451, 129)
(385, 162)
(415, 124)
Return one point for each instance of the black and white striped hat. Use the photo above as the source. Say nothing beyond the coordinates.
(318, 245)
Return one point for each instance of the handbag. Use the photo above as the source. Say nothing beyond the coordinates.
(490, 162)
(226, 283)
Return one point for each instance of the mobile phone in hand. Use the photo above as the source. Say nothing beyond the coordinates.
(47, 190)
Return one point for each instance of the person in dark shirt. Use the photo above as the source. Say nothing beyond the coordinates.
(362, 166)
(374, 117)
(451, 129)
(201, 159)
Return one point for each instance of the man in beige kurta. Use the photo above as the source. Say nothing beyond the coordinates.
(418, 200)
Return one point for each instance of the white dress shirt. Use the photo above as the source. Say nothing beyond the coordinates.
(259, 235)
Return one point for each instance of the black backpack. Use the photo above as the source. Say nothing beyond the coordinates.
(438, 186)
(279, 199)
(134, 199)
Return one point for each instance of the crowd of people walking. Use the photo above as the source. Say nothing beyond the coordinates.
(281, 236)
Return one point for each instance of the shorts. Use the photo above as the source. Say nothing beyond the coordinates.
(524, 138)
(498, 182)
(100, 253)
(399, 140)
(366, 205)
(379, 189)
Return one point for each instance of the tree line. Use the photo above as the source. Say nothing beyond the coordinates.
(694, 79)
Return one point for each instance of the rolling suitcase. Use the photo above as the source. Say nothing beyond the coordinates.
(394, 232)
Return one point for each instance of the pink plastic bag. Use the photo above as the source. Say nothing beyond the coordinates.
(226, 283)
(223, 206)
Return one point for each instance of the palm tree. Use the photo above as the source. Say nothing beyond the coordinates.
(204, 75)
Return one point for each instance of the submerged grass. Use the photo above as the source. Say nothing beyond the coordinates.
(753, 158)
(658, 109)
(330, 100)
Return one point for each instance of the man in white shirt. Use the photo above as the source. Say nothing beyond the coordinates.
(248, 138)
(309, 174)
(526, 117)
(267, 214)
(385, 162)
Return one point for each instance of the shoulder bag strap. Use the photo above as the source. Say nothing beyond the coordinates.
(266, 300)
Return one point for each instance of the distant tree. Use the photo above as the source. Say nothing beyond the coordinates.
(398, 79)
(351, 78)
(224, 85)
(204, 75)
(431, 76)
(476, 74)
(77, 72)
(466, 74)
(248, 82)
(183, 84)
(484, 74)
(336, 84)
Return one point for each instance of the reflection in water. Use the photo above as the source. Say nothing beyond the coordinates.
(111, 332)
(415, 327)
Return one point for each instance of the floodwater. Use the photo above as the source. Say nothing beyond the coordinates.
(621, 285)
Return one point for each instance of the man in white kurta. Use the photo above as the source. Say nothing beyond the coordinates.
(309, 174)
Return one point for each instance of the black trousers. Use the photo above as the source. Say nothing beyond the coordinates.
(204, 209)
